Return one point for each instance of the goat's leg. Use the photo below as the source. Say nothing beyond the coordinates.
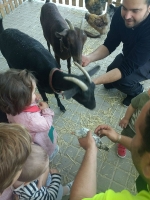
(58, 60)
(69, 65)
(48, 46)
(62, 108)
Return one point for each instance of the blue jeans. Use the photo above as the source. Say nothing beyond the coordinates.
(130, 84)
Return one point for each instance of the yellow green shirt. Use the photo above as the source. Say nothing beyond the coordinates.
(123, 195)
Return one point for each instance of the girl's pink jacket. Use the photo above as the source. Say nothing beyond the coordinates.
(38, 124)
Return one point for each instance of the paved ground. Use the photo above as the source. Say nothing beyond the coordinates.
(113, 172)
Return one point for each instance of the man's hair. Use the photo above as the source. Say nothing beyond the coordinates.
(15, 147)
(145, 131)
(15, 90)
(35, 164)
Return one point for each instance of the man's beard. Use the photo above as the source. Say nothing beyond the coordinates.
(135, 23)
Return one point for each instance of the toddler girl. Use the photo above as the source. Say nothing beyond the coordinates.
(18, 101)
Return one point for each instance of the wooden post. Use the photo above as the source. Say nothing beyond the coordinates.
(5, 3)
(74, 2)
(20, 1)
(16, 3)
(11, 4)
(2, 10)
(81, 3)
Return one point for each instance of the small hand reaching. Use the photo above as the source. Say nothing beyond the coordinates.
(38, 97)
(43, 105)
(105, 130)
(123, 122)
(53, 171)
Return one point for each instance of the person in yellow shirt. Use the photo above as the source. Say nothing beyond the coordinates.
(139, 145)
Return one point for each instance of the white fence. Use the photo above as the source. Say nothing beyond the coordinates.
(81, 3)
(6, 6)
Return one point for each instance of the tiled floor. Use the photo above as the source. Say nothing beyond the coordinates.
(113, 172)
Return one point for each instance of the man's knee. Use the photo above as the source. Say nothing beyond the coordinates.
(116, 63)
(108, 86)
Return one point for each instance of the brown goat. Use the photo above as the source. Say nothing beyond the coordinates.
(66, 42)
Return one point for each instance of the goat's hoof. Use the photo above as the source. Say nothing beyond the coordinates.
(62, 108)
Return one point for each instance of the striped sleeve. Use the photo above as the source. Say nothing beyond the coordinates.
(53, 188)
(31, 190)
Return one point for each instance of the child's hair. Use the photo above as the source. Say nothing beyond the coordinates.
(35, 164)
(15, 147)
(15, 90)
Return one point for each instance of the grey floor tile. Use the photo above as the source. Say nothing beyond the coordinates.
(120, 176)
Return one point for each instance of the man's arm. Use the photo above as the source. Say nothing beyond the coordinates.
(108, 77)
(85, 181)
(100, 53)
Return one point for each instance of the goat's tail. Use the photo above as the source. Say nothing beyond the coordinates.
(1, 25)
(47, 1)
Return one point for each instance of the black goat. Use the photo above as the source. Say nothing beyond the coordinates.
(23, 52)
(66, 42)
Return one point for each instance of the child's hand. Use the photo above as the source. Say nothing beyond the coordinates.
(38, 97)
(43, 105)
(123, 122)
(54, 171)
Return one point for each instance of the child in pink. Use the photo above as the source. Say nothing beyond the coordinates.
(18, 101)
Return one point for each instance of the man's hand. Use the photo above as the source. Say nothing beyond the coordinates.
(123, 122)
(53, 171)
(87, 142)
(105, 130)
(85, 60)
(43, 105)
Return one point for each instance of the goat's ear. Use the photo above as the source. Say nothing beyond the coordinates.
(93, 71)
(61, 34)
(70, 93)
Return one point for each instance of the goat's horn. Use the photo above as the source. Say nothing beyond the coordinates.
(77, 82)
(82, 24)
(84, 71)
(70, 24)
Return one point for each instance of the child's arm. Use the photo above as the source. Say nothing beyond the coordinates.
(38, 97)
(45, 110)
(125, 120)
(53, 188)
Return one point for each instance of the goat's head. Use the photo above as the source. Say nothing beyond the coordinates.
(73, 39)
(83, 93)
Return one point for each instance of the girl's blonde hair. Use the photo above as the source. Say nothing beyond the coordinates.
(35, 164)
(15, 147)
